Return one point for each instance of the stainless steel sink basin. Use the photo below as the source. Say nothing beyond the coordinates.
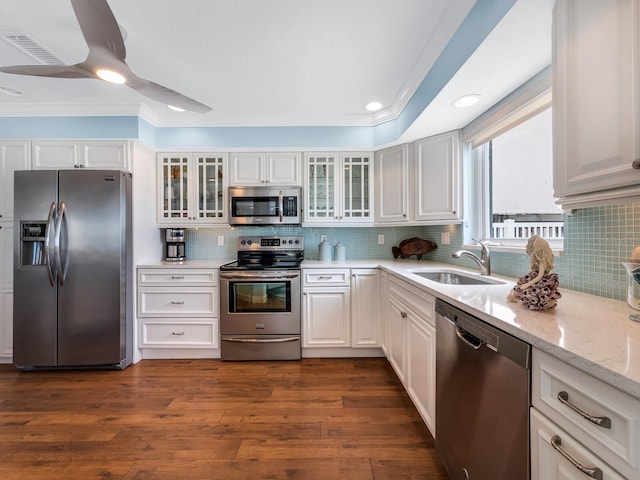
(457, 278)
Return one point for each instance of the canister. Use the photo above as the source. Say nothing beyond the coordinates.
(339, 252)
(325, 251)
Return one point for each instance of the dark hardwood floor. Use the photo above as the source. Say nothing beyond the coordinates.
(318, 419)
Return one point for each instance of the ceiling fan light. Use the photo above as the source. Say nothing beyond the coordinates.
(467, 100)
(175, 109)
(110, 76)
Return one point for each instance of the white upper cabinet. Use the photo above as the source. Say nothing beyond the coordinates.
(274, 168)
(338, 188)
(596, 101)
(392, 185)
(14, 155)
(437, 177)
(95, 154)
(420, 182)
(191, 188)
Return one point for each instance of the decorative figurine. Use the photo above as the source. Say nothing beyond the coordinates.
(538, 289)
(413, 246)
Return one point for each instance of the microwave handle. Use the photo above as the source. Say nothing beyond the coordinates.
(281, 205)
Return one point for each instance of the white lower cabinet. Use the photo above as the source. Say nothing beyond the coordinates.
(411, 345)
(178, 312)
(337, 308)
(326, 317)
(578, 421)
(556, 455)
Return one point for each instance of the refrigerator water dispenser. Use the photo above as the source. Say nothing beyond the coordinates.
(32, 238)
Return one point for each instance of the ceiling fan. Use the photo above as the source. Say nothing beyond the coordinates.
(106, 59)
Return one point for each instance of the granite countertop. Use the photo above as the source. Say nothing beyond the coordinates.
(589, 332)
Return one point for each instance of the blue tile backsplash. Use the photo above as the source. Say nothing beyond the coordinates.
(596, 241)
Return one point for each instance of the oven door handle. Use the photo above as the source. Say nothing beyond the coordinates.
(260, 340)
(259, 276)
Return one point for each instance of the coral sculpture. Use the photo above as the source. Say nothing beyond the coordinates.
(538, 289)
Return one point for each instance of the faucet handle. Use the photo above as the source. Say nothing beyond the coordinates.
(485, 249)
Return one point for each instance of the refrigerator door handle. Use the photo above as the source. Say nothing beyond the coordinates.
(62, 272)
(49, 230)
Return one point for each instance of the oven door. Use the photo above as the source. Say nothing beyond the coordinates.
(260, 303)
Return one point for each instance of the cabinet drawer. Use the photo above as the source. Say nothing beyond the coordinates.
(332, 277)
(190, 333)
(548, 463)
(174, 302)
(174, 276)
(559, 390)
(420, 301)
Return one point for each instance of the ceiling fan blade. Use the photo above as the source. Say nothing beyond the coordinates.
(54, 71)
(99, 26)
(166, 95)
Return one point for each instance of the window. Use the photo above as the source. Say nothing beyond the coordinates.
(508, 160)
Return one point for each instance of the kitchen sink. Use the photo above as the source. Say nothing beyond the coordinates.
(456, 278)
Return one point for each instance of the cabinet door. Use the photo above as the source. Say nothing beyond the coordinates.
(421, 368)
(365, 321)
(6, 289)
(357, 195)
(437, 179)
(53, 155)
(108, 155)
(321, 188)
(392, 186)
(549, 463)
(397, 338)
(6, 323)
(283, 168)
(247, 169)
(383, 308)
(13, 156)
(596, 101)
(326, 317)
(173, 188)
(210, 188)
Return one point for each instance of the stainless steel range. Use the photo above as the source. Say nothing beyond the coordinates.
(260, 300)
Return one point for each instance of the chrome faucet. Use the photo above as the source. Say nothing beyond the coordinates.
(484, 262)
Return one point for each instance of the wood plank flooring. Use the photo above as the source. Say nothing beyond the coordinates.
(321, 419)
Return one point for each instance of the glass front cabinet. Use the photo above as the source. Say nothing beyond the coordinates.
(338, 188)
(191, 188)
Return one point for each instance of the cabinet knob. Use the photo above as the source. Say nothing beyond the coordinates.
(404, 214)
(636, 164)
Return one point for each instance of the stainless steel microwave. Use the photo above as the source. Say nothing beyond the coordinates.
(265, 205)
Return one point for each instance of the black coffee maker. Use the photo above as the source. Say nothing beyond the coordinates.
(174, 239)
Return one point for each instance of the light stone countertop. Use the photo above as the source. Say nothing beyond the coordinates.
(592, 333)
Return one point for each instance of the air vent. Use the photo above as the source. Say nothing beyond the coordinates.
(28, 45)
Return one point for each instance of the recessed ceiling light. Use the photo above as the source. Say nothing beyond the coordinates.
(373, 106)
(467, 100)
(110, 76)
(10, 91)
(175, 109)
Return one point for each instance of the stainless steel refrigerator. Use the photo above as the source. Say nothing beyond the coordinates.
(72, 269)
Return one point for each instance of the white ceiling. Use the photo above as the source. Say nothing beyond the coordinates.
(277, 62)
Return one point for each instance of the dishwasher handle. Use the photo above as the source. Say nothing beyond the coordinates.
(469, 339)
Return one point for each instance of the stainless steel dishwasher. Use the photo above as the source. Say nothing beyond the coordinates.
(482, 398)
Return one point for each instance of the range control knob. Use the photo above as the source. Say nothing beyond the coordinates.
(249, 242)
(297, 242)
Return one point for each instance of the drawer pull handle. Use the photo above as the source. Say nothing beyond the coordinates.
(325, 277)
(177, 277)
(177, 334)
(594, 472)
(177, 303)
(604, 422)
